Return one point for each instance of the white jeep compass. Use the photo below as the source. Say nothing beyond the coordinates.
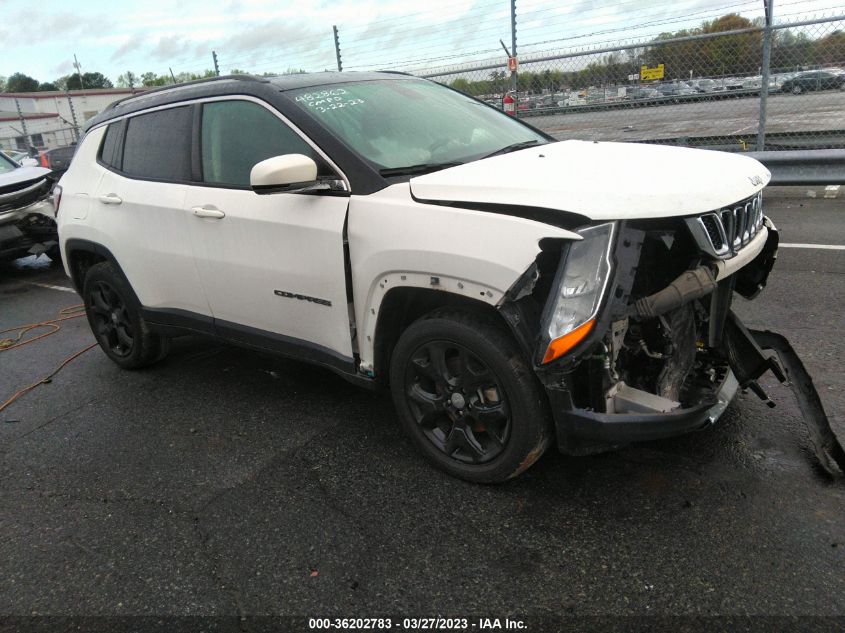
(511, 290)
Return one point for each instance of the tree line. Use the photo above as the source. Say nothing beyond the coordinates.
(19, 82)
(731, 54)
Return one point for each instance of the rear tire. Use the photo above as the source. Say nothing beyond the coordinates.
(467, 397)
(115, 319)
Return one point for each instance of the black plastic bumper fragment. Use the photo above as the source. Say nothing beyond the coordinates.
(827, 447)
(582, 431)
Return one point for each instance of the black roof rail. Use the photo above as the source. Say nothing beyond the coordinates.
(396, 72)
(145, 93)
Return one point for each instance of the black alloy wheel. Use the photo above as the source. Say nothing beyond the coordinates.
(113, 327)
(467, 396)
(116, 321)
(458, 402)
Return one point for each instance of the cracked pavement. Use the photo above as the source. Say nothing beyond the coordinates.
(228, 482)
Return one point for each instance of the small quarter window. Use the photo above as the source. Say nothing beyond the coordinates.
(109, 152)
(238, 134)
(158, 145)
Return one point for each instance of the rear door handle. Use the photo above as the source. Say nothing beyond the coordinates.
(208, 211)
(111, 198)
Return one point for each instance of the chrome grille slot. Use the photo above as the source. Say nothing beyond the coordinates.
(724, 232)
(714, 230)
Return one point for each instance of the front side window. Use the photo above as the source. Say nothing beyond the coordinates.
(395, 123)
(238, 134)
(158, 145)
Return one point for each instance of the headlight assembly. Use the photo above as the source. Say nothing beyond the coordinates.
(579, 289)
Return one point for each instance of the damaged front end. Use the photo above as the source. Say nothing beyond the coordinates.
(637, 337)
(27, 220)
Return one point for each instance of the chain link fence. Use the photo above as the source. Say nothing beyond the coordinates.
(39, 137)
(732, 83)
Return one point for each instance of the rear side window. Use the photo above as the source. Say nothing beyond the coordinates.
(158, 145)
(238, 134)
(109, 151)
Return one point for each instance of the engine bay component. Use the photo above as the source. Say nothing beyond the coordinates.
(691, 285)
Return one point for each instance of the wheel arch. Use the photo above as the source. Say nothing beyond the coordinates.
(402, 305)
(82, 254)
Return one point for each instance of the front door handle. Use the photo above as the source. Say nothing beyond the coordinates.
(208, 211)
(111, 198)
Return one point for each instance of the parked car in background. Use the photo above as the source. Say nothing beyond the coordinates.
(575, 99)
(640, 94)
(706, 86)
(27, 220)
(756, 83)
(814, 80)
(675, 90)
(20, 157)
(57, 160)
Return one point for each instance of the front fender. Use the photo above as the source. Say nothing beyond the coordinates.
(395, 241)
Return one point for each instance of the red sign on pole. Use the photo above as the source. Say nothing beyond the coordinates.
(512, 64)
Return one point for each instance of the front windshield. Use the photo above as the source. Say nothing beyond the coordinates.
(7, 164)
(397, 123)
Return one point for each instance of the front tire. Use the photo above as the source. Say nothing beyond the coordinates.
(467, 397)
(116, 321)
(797, 90)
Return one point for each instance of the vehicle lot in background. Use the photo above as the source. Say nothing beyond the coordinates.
(227, 482)
(728, 117)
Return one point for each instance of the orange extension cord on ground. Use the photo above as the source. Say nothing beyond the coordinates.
(8, 344)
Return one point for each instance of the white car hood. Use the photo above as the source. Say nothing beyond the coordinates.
(22, 174)
(603, 181)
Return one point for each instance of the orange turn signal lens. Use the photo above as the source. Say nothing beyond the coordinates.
(560, 346)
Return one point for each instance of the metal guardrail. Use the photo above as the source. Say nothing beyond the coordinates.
(804, 167)
(777, 141)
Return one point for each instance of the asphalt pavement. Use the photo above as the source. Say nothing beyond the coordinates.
(228, 482)
(809, 112)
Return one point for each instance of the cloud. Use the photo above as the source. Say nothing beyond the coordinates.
(33, 25)
(278, 35)
(170, 47)
(63, 68)
(132, 44)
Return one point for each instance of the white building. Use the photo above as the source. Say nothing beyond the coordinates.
(50, 117)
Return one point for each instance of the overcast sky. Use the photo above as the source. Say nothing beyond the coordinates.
(40, 38)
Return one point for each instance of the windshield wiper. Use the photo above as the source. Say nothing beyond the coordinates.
(507, 149)
(415, 170)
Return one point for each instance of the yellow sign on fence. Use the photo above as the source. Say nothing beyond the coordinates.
(649, 74)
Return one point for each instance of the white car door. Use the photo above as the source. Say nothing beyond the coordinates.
(272, 266)
(140, 202)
